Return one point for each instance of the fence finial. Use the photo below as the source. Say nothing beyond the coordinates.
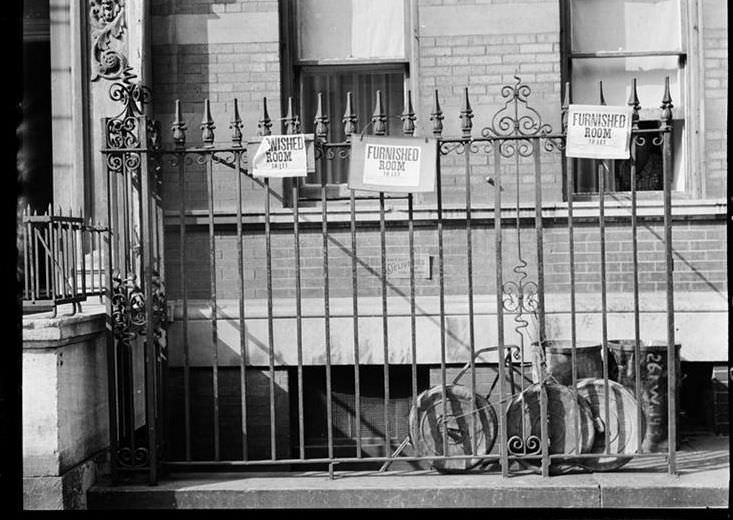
(379, 118)
(265, 123)
(179, 127)
(436, 116)
(600, 91)
(349, 120)
(466, 115)
(408, 116)
(207, 125)
(236, 125)
(320, 121)
(633, 102)
(290, 121)
(666, 106)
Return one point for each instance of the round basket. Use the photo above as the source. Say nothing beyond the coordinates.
(566, 436)
(427, 424)
(622, 428)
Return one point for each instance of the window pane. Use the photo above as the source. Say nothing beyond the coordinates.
(351, 29)
(334, 83)
(324, 29)
(617, 75)
(625, 25)
(378, 29)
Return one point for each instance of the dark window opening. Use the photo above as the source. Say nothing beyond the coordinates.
(34, 157)
(371, 415)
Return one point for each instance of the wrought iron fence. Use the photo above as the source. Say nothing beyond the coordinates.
(62, 259)
(535, 413)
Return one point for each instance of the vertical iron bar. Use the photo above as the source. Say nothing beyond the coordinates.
(540, 288)
(212, 302)
(270, 324)
(604, 308)
(466, 115)
(242, 323)
(503, 454)
(151, 354)
(355, 310)
(666, 127)
(298, 318)
(181, 158)
(112, 368)
(634, 103)
(385, 332)
(326, 304)
(48, 258)
(408, 128)
(27, 287)
(349, 121)
(437, 118)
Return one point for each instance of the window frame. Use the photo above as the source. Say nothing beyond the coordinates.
(291, 86)
(686, 110)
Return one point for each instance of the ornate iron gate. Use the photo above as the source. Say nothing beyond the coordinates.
(518, 424)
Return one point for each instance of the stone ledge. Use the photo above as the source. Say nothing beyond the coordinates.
(43, 331)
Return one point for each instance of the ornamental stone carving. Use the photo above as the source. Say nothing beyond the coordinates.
(107, 21)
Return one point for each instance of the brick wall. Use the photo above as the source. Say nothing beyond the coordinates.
(715, 78)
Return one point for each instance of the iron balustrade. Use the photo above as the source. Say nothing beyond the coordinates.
(62, 257)
(513, 147)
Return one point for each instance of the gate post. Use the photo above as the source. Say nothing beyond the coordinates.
(136, 301)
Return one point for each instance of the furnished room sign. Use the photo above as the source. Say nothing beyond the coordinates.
(282, 156)
(392, 164)
(598, 131)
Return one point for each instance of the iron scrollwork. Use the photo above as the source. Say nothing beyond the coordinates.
(128, 311)
(107, 18)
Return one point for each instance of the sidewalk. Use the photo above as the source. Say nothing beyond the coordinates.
(703, 481)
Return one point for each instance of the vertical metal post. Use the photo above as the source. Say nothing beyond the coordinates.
(634, 103)
(350, 121)
(179, 138)
(466, 125)
(112, 368)
(151, 354)
(207, 127)
(437, 118)
(666, 128)
(602, 171)
(408, 128)
(503, 453)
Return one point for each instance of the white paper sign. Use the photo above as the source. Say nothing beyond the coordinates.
(280, 156)
(391, 165)
(598, 131)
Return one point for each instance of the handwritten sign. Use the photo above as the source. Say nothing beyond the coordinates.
(281, 156)
(392, 164)
(598, 131)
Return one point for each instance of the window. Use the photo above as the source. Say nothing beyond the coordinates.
(338, 46)
(615, 42)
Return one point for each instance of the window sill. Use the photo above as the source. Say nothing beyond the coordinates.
(396, 211)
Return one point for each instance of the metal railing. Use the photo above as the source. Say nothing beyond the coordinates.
(452, 426)
(62, 259)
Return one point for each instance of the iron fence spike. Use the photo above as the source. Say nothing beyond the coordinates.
(321, 119)
(408, 115)
(600, 91)
(379, 118)
(666, 102)
(466, 115)
(634, 102)
(436, 116)
(349, 120)
(207, 125)
(265, 123)
(236, 125)
(178, 127)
